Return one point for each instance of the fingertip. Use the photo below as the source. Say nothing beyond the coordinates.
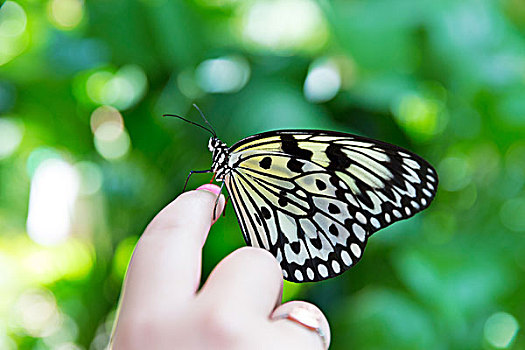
(261, 259)
(249, 280)
(219, 203)
(193, 208)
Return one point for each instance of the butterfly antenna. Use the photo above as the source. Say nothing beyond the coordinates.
(205, 120)
(189, 121)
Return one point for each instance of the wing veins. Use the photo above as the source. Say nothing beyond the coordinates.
(317, 209)
(261, 217)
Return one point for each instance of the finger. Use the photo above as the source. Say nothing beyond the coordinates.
(247, 281)
(166, 265)
(303, 321)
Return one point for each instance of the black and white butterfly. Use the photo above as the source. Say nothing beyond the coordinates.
(313, 197)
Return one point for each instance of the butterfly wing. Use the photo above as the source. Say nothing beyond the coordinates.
(312, 198)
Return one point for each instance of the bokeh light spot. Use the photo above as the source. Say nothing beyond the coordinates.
(65, 14)
(54, 189)
(500, 329)
(223, 75)
(112, 141)
(35, 264)
(511, 214)
(285, 25)
(38, 156)
(121, 90)
(123, 255)
(188, 85)
(322, 82)
(515, 158)
(218, 3)
(11, 133)
(13, 22)
(13, 19)
(37, 313)
(455, 173)
(104, 114)
(90, 178)
(421, 117)
(95, 85)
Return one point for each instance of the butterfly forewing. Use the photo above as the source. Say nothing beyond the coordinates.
(312, 198)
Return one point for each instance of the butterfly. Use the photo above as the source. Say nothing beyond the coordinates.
(312, 198)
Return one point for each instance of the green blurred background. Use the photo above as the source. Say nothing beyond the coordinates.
(86, 160)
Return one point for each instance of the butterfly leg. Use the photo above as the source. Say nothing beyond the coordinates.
(194, 172)
(217, 203)
(225, 205)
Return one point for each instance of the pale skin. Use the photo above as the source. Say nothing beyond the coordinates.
(239, 306)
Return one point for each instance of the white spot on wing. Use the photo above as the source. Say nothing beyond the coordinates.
(287, 226)
(310, 273)
(298, 275)
(359, 232)
(279, 256)
(411, 190)
(360, 217)
(411, 163)
(355, 250)
(336, 267)
(346, 258)
(412, 176)
(323, 271)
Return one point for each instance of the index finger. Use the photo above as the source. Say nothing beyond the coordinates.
(165, 269)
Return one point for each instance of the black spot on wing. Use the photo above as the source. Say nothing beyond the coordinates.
(317, 243)
(266, 213)
(283, 201)
(296, 247)
(295, 165)
(333, 209)
(338, 160)
(291, 147)
(321, 186)
(266, 163)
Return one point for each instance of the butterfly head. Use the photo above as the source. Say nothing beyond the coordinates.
(221, 155)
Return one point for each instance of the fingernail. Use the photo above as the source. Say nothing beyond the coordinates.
(211, 188)
(305, 317)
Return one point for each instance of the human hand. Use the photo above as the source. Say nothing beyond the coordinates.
(239, 306)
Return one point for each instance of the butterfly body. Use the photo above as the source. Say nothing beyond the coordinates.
(221, 156)
(312, 198)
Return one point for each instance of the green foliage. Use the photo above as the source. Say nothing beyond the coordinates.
(83, 145)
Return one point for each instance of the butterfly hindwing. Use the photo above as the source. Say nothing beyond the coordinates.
(312, 198)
